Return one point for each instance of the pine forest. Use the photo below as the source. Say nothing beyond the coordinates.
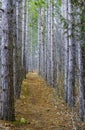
(42, 64)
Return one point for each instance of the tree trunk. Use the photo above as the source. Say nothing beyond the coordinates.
(71, 73)
(23, 36)
(81, 84)
(27, 37)
(8, 112)
(66, 52)
(17, 49)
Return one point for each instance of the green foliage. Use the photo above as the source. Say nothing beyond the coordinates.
(78, 12)
(59, 2)
(83, 45)
(64, 21)
(23, 120)
(33, 14)
(33, 10)
(40, 3)
(20, 122)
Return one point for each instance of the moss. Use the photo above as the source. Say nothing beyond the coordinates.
(20, 122)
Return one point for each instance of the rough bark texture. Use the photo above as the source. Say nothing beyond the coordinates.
(17, 49)
(71, 70)
(66, 54)
(24, 36)
(81, 84)
(0, 57)
(27, 37)
(7, 112)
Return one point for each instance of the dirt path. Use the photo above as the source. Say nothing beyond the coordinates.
(39, 108)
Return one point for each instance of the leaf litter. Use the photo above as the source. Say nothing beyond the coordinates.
(40, 109)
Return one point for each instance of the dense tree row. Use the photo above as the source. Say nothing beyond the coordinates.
(74, 47)
(62, 49)
(47, 37)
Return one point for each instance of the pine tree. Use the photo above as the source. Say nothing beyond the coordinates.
(7, 112)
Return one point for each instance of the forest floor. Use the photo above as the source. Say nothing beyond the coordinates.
(39, 109)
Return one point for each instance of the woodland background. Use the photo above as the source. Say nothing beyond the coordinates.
(46, 36)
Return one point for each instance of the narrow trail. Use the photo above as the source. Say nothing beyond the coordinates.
(40, 108)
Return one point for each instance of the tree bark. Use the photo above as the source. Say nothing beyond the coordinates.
(81, 84)
(23, 37)
(72, 56)
(8, 112)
